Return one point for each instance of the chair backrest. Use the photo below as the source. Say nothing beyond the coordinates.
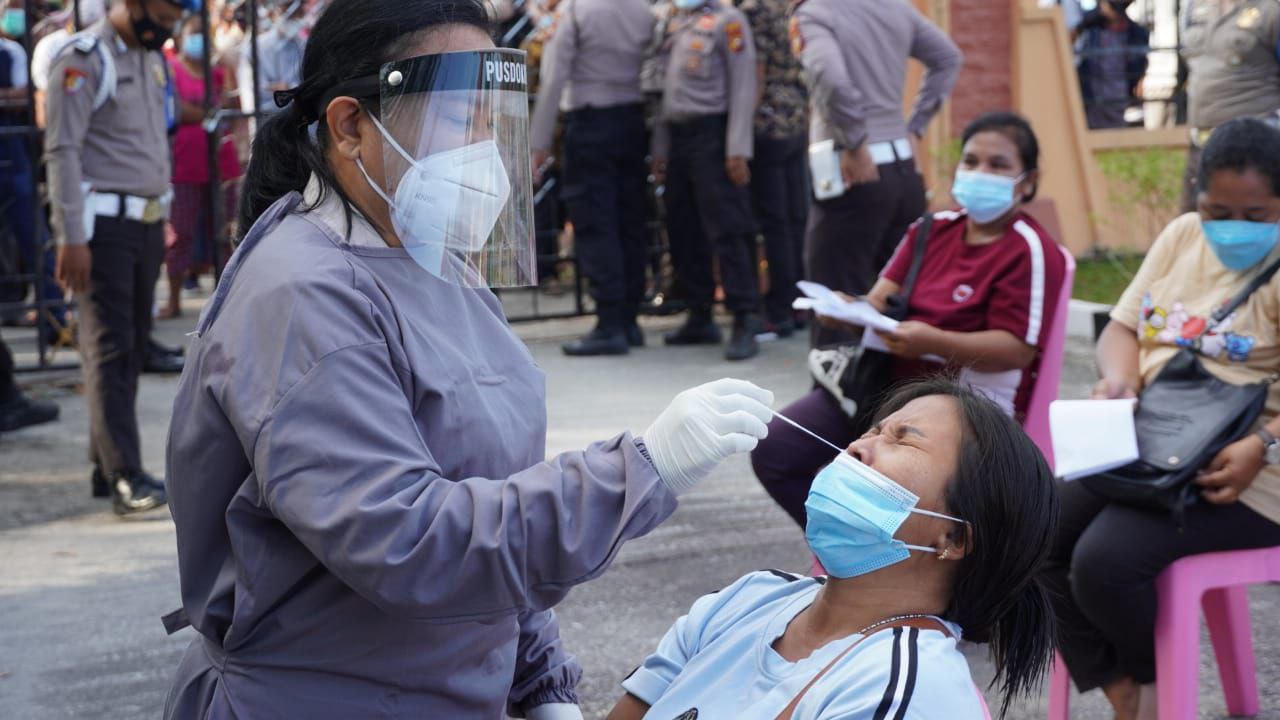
(986, 712)
(1049, 374)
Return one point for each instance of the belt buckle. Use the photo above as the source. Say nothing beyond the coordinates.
(151, 212)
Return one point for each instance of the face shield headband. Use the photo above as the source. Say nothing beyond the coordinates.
(455, 162)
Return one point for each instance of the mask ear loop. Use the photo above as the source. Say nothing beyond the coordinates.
(360, 163)
(945, 551)
(387, 136)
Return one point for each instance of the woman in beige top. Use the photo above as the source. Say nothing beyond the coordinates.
(1106, 551)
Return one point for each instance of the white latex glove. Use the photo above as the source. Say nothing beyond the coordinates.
(705, 425)
(556, 711)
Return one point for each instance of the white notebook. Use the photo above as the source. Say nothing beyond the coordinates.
(1092, 436)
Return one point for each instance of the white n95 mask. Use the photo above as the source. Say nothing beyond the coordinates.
(448, 201)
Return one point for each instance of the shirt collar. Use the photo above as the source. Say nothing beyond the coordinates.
(331, 212)
(108, 33)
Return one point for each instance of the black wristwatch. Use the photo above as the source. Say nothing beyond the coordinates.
(1270, 446)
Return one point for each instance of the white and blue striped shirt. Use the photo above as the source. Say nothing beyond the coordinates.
(718, 662)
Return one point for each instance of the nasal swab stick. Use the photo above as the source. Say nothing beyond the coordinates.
(805, 430)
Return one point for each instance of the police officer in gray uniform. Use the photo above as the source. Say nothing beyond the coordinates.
(854, 54)
(701, 147)
(107, 152)
(1232, 49)
(591, 70)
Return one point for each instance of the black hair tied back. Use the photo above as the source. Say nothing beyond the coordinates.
(352, 39)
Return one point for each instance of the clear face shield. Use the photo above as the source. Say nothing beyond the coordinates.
(455, 130)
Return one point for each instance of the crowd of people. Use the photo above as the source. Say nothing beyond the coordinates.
(379, 183)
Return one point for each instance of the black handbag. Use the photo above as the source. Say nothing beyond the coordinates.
(1185, 417)
(864, 378)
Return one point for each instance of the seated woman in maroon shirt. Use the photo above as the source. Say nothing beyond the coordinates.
(980, 309)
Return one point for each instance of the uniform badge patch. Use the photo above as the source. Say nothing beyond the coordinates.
(693, 64)
(697, 45)
(158, 72)
(74, 81)
(797, 37)
(1249, 18)
(736, 39)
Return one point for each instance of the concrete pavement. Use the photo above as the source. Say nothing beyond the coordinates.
(81, 591)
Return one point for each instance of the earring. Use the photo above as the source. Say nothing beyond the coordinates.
(944, 554)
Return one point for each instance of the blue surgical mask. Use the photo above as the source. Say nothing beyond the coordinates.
(14, 23)
(688, 4)
(853, 512)
(1241, 244)
(193, 46)
(985, 196)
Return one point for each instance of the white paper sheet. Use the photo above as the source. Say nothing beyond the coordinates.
(1092, 436)
(823, 301)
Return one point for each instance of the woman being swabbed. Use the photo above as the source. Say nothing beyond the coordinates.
(932, 526)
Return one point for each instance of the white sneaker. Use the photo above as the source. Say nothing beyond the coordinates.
(827, 367)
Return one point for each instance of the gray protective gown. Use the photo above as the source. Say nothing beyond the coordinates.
(366, 524)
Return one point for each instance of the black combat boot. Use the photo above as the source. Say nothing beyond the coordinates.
(698, 329)
(134, 492)
(635, 336)
(742, 345)
(608, 338)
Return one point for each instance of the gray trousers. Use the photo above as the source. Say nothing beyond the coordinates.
(115, 322)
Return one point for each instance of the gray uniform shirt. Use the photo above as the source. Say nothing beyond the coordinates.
(1232, 60)
(710, 69)
(854, 54)
(593, 59)
(366, 522)
(122, 147)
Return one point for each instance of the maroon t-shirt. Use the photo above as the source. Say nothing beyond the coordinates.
(1011, 284)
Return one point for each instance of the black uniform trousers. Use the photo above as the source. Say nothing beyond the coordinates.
(115, 322)
(852, 237)
(604, 191)
(8, 386)
(780, 197)
(706, 211)
(1102, 573)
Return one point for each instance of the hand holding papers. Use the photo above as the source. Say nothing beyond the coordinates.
(827, 303)
(1092, 436)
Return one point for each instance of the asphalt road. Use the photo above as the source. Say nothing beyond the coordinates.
(81, 591)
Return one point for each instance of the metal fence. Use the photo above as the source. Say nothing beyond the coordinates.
(33, 268)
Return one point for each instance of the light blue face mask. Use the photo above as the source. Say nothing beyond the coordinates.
(688, 4)
(14, 22)
(1240, 244)
(193, 47)
(986, 197)
(853, 513)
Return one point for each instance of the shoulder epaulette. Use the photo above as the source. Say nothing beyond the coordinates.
(84, 43)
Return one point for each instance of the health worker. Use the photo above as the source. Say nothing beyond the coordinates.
(366, 522)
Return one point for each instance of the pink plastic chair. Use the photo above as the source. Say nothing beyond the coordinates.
(1218, 582)
(1049, 376)
(986, 712)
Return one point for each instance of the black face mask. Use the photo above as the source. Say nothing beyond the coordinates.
(151, 34)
